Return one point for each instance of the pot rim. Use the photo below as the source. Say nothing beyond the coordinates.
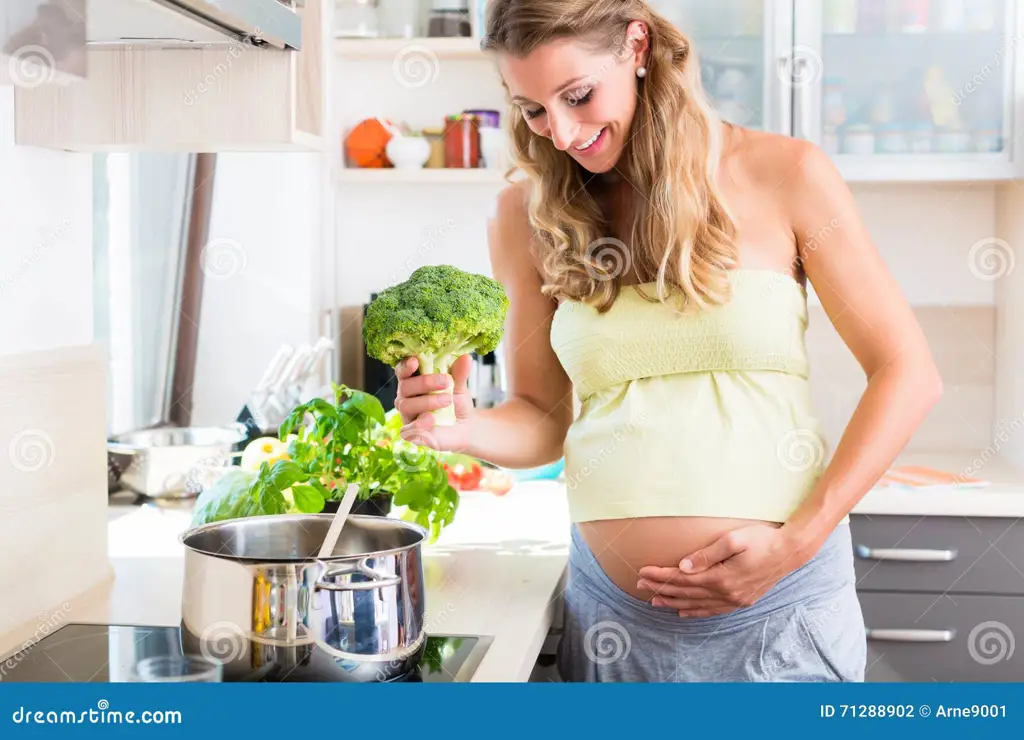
(232, 434)
(296, 561)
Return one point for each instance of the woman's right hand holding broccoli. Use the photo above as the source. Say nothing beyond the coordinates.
(419, 396)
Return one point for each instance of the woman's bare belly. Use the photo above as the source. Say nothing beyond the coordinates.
(623, 546)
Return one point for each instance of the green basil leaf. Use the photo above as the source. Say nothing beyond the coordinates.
(323, 408)
(285, 474)
(307, 499)
(294, 421)
(413, 493)
(366, 404)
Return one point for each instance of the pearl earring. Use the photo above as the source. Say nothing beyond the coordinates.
(641, 71)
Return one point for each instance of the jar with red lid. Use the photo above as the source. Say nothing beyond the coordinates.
(462, 141)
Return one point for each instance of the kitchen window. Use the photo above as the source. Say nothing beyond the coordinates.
(143, 211)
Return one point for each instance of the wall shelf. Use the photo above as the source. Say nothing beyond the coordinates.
(387, 49)
(436, 176)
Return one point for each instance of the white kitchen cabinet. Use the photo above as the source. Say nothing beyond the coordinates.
(743, 46)
(203, 98)
(908, 89)
(894, 90)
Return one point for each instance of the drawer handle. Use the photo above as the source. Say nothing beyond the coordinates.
(895, 635)
(905, 554)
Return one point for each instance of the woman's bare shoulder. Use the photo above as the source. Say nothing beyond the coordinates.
(776, 157)
(512, 236)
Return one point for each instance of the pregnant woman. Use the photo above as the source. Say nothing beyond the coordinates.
(656, 260)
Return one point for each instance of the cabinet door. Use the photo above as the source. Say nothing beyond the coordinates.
(743, 47)
(936, 637)
(907, 89)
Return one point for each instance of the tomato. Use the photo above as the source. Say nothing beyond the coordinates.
(462, 478)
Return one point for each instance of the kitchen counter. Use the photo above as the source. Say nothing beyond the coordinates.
(497, 571)
(1003, 497)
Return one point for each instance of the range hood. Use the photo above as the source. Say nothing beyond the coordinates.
(63, 26)
(189, 22)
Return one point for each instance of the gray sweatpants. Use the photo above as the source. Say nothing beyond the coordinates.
(809, 627)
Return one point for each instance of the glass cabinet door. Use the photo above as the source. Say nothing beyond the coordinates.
(740, 45)
(904, 83)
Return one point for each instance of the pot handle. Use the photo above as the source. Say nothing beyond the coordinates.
(376, 579)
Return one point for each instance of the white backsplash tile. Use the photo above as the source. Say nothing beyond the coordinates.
(53, 481)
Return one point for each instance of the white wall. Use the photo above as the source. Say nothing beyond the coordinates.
(45, 243)
(264, 282)
(924, 232)
(53, 495)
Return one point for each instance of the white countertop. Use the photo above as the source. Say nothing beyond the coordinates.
(1003, 497)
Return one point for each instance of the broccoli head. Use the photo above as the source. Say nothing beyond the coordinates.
(439, 314)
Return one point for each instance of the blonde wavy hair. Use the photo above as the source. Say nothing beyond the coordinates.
(680, 234)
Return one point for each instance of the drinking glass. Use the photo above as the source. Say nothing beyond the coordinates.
(177, 669)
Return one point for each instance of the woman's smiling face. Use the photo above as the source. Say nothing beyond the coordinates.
(582, 100)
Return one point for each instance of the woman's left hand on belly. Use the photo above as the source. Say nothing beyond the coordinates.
(732, 572)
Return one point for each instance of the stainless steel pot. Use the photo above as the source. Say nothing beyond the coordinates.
(163, 461)
(257, 599)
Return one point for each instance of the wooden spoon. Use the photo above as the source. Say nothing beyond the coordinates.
(331, 540)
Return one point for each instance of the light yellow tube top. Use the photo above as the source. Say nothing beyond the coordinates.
(705, 414)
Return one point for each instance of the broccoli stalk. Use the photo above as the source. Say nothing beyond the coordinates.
(439, 314)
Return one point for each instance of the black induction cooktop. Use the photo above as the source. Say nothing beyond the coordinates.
(107, 653)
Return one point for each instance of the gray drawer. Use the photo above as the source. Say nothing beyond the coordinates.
(938, 554)
(918, 637)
